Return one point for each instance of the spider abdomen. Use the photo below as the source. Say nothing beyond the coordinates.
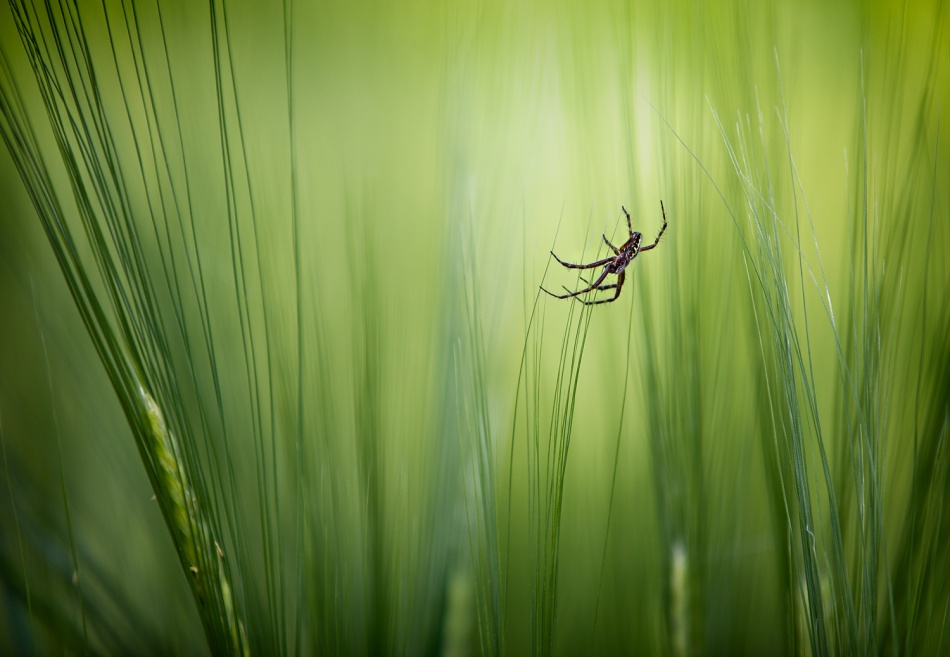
(627, 253)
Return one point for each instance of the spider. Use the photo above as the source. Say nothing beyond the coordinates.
(615, 264)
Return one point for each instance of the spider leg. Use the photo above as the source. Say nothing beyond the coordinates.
(629, 227)
(619, 285)
(599, 287)
(615, 249)
(660, 234)
(599, 280)
(570, 265)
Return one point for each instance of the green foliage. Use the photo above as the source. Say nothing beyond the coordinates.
(302, 249)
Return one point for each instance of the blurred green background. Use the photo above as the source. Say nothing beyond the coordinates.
(276, 375)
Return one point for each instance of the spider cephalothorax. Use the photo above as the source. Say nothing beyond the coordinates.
(615, 264)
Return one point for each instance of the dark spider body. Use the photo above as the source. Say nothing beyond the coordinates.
(615, 264)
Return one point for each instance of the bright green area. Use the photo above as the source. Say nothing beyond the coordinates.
(287, 259)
